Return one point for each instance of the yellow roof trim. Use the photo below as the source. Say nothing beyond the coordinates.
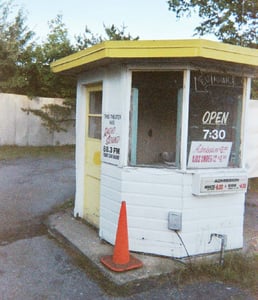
(158, 49)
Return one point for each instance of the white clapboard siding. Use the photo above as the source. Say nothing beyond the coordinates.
(150, 194)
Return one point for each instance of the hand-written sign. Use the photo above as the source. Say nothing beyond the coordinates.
(111, 138)
(209, 154)
(202, 81)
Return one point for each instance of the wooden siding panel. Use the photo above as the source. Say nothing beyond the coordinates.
(161, 202)
(151, 188)
(212, 212)
(153, 175)
(150, 194)
(212, 225)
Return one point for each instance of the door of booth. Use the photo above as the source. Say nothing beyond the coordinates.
(93, 153)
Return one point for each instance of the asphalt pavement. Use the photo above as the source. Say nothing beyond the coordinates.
(33, 265)
(29, 189)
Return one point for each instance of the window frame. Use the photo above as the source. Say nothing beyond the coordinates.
(91, 89)
(183, 122)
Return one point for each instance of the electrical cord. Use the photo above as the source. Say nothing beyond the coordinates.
(188, 255)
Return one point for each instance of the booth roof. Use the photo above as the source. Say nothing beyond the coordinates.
(142, 50)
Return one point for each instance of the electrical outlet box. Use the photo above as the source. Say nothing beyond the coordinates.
(174, 220)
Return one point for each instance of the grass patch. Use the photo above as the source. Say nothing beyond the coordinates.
(253, 184)
(14, 152)
(238, 269)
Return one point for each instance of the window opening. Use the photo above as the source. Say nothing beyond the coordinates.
(214, 120)
(154, 117)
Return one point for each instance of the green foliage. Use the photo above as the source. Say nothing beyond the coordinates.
(15, 152)
(238, 268)
(113, 33)
(16, 47)
(25, 65)
(254, 89)
(233, 22)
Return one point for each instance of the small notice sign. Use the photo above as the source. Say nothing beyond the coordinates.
(111, 138)
(204, 184)
(209, 154)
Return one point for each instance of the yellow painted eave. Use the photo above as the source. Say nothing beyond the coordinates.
(158, 49)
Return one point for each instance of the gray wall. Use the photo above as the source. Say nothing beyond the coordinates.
(22, 129)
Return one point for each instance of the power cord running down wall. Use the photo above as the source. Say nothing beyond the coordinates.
(188, 255)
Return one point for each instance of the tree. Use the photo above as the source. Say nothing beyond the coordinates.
(47, 84)
(25, 65)
(58, 45)
(16, 47)
(113, 33)
(233, 22)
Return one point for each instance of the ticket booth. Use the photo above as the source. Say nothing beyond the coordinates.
(161, 125)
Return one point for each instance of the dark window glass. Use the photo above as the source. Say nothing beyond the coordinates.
(214, 120)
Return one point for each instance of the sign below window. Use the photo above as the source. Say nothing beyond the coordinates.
(111, 138)
(209, 154)
(204, 184)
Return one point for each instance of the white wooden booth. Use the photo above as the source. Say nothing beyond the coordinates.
(161, 125)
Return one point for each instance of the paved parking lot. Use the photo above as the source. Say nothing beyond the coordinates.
(34, 266)
(30, 188)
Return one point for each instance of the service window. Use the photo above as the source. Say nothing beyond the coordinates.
(215, 107)
(154, 117)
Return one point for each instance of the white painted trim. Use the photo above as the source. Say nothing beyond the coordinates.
(184, 119)
(126, 104)
(246, 99)
(80, 148)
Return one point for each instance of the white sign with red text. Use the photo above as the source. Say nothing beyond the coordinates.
(204, 184)
(209, 154)
(111, 138)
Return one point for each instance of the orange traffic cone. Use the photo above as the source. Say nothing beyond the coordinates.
(121, 260)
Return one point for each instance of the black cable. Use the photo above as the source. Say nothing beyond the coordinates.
(180, 238)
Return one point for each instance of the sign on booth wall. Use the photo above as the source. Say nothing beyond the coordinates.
(204, 184)
(209, 154)
(111, 138)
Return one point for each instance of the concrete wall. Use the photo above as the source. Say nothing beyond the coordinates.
(22, 129)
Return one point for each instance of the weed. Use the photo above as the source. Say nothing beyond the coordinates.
(253, 184)
(237, 269)
(14, 152)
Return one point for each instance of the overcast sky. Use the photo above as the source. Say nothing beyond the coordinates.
(148, 19)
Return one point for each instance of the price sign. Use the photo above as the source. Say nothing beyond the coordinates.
(208, 185)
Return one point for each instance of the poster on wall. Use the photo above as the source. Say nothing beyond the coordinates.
(209, 154)
(111, 138)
